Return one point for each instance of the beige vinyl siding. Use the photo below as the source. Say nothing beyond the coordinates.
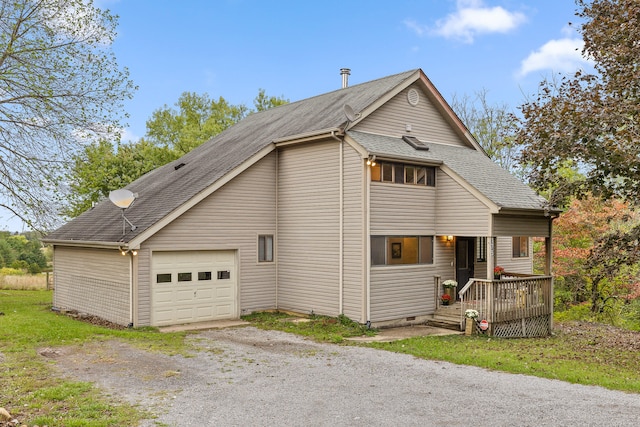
(143, 288)
(505, 225)
(308, 228)
(444, 259)
(400, 292)
(92, 281)
(353, 246)
(458, 212)
(504, 257)
(402, 210)
(427, 124)
(231, 219)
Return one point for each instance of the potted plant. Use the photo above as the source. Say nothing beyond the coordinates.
(498, 272)
(471, 315)
(450, 288)
(445, 299)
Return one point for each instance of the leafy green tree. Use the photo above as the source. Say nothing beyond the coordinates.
(493, 126)
(102, 167)
(197, 119)
(263, 102)
(60, 82)
(590, 121)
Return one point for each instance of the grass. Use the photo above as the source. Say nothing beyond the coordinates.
(574, 358)
(28, 388)
(33, 394)
(22, 281)
(321, 328)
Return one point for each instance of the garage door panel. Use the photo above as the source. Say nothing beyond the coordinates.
(204, 297)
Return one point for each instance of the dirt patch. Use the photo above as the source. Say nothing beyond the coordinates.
(139, 376)
(595, 336)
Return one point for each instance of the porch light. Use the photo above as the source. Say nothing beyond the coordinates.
(449, 238)
(371, 161)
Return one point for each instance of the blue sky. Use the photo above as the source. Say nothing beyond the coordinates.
(295, 49)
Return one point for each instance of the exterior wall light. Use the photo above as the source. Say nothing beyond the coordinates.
(371, 161)
(449, 238)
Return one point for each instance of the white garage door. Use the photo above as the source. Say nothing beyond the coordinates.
(193, 286)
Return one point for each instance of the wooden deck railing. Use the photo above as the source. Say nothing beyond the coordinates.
(510, 299)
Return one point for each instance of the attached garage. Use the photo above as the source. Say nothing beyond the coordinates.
(193, 286)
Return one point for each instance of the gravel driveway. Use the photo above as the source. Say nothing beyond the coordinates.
(246, 376)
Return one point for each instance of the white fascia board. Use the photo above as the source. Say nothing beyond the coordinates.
(85, 243)
(385, 98)
(308, 136)
(146, 234)
(359, 148)
(493, 208)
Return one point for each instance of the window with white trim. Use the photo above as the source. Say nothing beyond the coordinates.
(399, 173)
(399, 250)
(265, 248)
(520, 247)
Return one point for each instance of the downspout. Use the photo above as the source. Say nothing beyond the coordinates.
(130, 325)
(277, 221)
(341, 226)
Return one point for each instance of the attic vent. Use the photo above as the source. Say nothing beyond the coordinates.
(413, 97)
(415, 142)
(178, 166)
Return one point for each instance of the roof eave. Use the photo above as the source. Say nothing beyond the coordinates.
(85, 243)
(309, 136)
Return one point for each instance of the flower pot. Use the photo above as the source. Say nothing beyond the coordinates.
(468, 330)
(451, 292)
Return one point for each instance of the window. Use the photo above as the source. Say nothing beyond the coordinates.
(398, 250)
(404, 174)
(184, 277)
(204, 275)
(163, 278)
(375, 172)
(265, 248)
(224, 275)
(387, 172)
(481, 249)
(520, 247)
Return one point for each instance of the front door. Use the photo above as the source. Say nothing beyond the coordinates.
(464, 260)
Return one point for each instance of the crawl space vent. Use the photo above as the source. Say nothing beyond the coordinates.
(415, 142)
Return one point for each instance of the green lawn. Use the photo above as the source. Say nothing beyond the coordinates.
(30, 391)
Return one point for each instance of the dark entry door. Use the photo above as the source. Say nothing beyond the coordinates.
(464, 260)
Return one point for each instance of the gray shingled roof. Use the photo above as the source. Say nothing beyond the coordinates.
(165, 189)
(498, 185)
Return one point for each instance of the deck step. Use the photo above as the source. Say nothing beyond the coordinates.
(448, 316)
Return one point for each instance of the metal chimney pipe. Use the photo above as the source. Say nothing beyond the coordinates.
(345, 72)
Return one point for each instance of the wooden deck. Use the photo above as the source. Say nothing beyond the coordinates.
(514, 306)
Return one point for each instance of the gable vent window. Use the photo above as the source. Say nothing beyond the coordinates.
(413, 97)
(399, 173)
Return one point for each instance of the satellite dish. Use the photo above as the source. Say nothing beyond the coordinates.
(348, 111)
(122, 198)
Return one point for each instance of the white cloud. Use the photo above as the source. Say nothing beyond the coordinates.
(473, 18)
(420, 30)
(127, 136)
(561, 55)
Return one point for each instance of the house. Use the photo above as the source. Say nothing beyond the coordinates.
(361, 202)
